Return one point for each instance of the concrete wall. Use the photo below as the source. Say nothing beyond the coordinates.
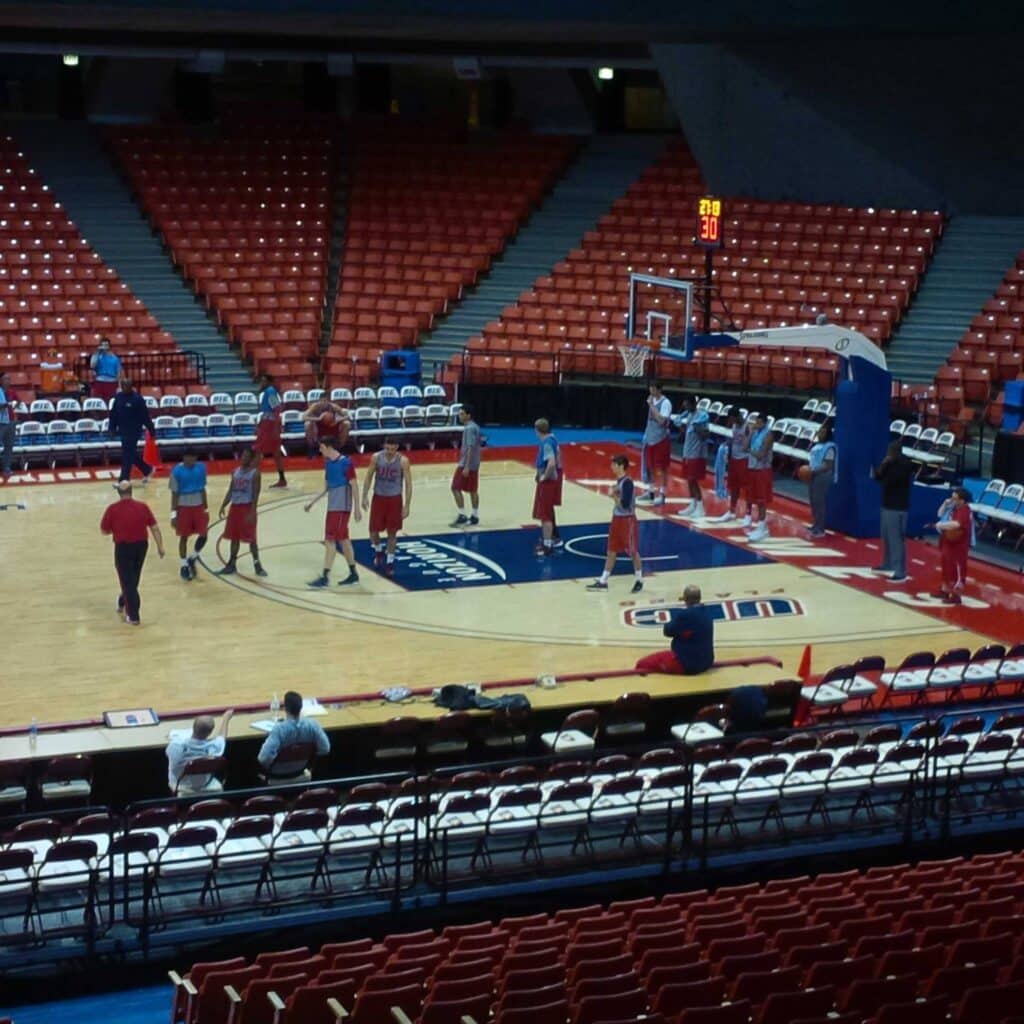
(901, 122)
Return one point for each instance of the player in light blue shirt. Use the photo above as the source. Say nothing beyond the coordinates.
(548, 494)
(189, 512)
(694, 440)
(342, 490)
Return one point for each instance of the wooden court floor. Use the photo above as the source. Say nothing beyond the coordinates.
(466, 605)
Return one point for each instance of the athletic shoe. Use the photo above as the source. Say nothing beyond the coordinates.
(689, 512)
(146, 478)
(881, 568)
(228, 570)
(649, 496)
(132, 622)
(725, 517)
(280, 483)
(952, 599)
(638, 585)
(320, 582)
(597, 585)
(557, 542)
(389, 570)
(259, 570)
(378, 559)
(898, 579)
(352, 577)
(459, 520)
(543, 551)
(939, 595)
(758, 534)
(192, 566)
(186, 574)
(659, 500)
(474, 520)
(746, 521)
(120, 603)
(816, 533)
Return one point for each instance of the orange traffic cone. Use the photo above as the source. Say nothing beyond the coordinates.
(804, 671)
(150, 452)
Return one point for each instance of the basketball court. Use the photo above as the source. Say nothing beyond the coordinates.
(464, 605)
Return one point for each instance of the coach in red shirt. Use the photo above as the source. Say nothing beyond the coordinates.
(128, 521)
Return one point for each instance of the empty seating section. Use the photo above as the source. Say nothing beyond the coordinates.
(934, 942)
(425, 219)
(782, 263)
(246, 216)
(991, 352)
(56, 295)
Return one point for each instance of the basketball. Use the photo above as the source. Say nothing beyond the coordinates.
(328, 419)
(953, 535)
(804, 474)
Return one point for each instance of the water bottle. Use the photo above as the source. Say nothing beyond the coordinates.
(33, 734)
(275, 707)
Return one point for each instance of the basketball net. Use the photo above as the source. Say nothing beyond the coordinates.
(634, 359)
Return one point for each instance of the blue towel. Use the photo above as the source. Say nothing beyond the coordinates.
(721, 470)
(948, 515)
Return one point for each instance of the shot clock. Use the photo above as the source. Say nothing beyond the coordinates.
(709, 221)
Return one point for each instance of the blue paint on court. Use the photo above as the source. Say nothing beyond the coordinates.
(481, 558)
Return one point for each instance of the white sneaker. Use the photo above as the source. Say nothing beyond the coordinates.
(758, 533)
(698, 510)
(659, 500)
(725, 517)
(746, 521)
(688, 511)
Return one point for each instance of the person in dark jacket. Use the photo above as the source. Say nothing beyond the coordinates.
(896, 475)
(692, 629)
(129, 417)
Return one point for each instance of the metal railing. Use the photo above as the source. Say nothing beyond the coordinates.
(154, 369)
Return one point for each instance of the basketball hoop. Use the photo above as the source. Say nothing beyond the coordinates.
(634, 358)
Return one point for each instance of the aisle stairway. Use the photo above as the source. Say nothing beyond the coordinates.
(599, 175)
(968, 266)
(71, 159)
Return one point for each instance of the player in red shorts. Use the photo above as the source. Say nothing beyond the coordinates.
(736, 472)
(189, 516)
(694, 441)
(342, 492)
(955, 527)
(760, 482)
(268, 427)
(622, 533)
(656, 451)
(243, 496)
(465, 480)
(547, 495)
(388, 477)
(325, 423)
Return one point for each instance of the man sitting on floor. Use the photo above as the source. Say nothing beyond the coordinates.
(693, 640)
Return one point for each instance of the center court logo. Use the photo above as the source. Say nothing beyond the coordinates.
(448, 563)
(738, 610)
